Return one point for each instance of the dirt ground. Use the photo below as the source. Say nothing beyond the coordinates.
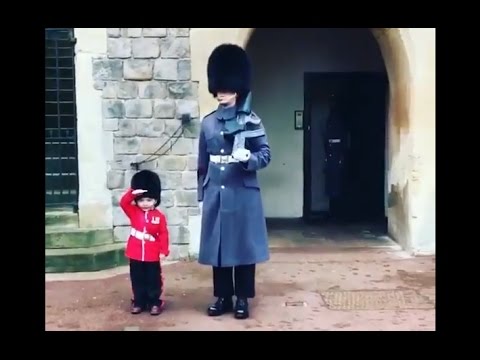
(291, 295)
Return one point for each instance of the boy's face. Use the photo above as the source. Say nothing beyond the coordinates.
(146, 203)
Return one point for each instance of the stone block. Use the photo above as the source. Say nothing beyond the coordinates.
(115, 179)
(186, 198)
(154, 32)
(192, 162)
(175, 47)
(171, 163)
(146, 48)
(119, 217)
(192, 130)
(126, 89)
(187, 107)
(152, 90)
(113, 109)
(181, 146)
(138, 108)
(122, 162)
(167, 199)
(107, 69)
(189, 180)
(179, 234)
(184, 70)
(176, 216)
(134, 32)
(183, 90)
(149, 127)
(152, 145)
(164, 109)
(165, 69)
(170, 180)
(126, 128)
(126, 145)
(138, 69)
(113, 32)
(178, 252)
(119, 48)
(179, 32)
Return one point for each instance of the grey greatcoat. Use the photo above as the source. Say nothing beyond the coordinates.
(233, 222)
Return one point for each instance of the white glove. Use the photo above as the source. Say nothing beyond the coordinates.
(242, 155)
(138, 191)
(200, 205)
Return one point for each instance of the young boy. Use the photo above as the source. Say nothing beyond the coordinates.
(148, 240)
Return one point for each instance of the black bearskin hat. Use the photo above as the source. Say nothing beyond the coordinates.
(229, 69)
(147, 180)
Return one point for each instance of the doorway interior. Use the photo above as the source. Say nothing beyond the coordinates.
(345, 148)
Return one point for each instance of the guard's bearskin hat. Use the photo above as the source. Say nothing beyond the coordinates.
(229, 69)
(147, 180)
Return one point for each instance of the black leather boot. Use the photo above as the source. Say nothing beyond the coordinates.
(221, 306)
(241, 309)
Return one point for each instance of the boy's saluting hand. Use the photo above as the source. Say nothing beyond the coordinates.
(138, 191)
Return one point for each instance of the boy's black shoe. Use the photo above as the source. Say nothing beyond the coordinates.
(221, 306)
(241, 309)
(157, 309)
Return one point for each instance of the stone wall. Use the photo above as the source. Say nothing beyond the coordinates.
(146, 85)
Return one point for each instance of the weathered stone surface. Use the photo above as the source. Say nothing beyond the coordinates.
(149, 164)
(115, 179)
(180, 32)
(164, 109)
(154, 32)
(178, 252)
(138, 108)
(150, 145)
(128, 177)
(192, 130)
(138, 69)
(193, 211)
(119, 217)
(179, 234)
(110, 124)
(150, 127)
(186, 198)
(126, 145)
(184, 70)
(175, 48)
(99, 84)
(107, 69)
(170, 180)
(113, 109)
(192, 162)
(167, 199)
(152, 90)
(171, 127)
(183, 90)
(182, 146)
(121, 233)
(187, 107)
(110, 90)
(176, 216)
(126, 90)
(113, 32)
(122, 162)
(146, 48)
(126, 128)
(134, 32)
(119, 48)
(166, 69)
(117, 195)
(172, 163)
(189, 180)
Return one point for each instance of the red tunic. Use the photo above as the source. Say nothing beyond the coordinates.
(149, 233)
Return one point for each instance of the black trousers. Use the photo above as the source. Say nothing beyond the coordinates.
(146, 278)
(238, 281)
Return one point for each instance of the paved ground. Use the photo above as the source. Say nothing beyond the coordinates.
(294, 292)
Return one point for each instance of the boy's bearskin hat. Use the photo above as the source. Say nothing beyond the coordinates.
(229, 69)
(147, 180)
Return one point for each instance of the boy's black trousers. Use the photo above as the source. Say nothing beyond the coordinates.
(238, 281)
(146, 278)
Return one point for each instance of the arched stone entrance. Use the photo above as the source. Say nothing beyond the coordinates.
(411, 122)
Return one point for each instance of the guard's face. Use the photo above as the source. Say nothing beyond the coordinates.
(226, 98)
(146, 203)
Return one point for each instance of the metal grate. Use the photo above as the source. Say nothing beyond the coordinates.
(61, 162)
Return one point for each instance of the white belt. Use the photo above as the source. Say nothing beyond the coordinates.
(222, 159)
(140, 235)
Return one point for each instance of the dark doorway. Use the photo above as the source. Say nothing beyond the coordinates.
(344, 153)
